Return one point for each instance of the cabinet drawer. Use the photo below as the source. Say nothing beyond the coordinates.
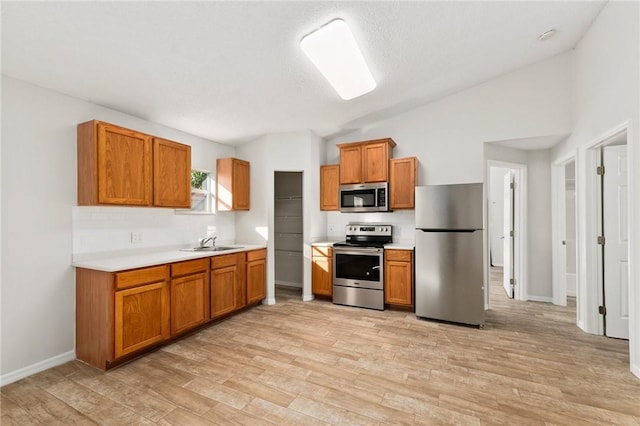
(321, 251)
(189, 267)
(256, 255)
(399, 255)
(141, 276)
(224, 260)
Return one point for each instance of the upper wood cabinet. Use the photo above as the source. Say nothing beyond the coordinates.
(114, 165)
(402, 182)
(364, 162)
(171, 174)
(329, 187)
(119, 166)
(350, 163)
(232, 177)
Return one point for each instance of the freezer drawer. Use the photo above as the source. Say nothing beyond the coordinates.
(449, 276)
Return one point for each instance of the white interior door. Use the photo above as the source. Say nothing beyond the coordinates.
(508, 234)
(616, 232)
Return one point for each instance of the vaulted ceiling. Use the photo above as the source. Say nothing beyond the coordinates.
(231, 71)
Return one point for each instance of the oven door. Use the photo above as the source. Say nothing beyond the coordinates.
(358, 267)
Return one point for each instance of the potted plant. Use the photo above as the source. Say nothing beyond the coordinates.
(198, 178)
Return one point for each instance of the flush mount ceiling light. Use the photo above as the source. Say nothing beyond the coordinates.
(547, 35)
(335, 53)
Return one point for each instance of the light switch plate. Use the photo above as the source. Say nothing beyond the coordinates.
(136, 237)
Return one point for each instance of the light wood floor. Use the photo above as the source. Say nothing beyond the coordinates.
(317, 363)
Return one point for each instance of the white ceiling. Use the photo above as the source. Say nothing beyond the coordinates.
(232, 71)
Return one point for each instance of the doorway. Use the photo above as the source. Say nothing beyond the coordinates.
(506, 219)
(570, 231)
(288, 234)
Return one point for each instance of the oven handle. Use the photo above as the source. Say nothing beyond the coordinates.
(341, 250)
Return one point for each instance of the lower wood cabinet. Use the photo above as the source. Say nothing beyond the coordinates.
(119, 315)
(141, 317)
(256, 275)
(227, 280)
(189, 294)
(398, 277)
(322, 271)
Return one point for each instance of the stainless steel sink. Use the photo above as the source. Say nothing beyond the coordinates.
(209, 248)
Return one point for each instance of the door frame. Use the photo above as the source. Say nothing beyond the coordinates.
(559, 230)
(520, 228)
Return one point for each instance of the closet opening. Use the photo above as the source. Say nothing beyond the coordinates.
(288, 235)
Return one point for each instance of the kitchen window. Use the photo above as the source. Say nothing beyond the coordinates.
(202, 185)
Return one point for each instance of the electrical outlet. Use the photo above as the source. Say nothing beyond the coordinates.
(332, 229)
(136, 237)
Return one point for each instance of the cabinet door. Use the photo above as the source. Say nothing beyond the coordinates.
(375, 160)
(329, 187)
(141, 317)
(232, 177)
(403, 181)
(351, 164)
(240, 185)
(322, 274)
(224, 290)
(256, 280)
(189, 301)
(398, 280)
(124, 166)
(171, 174)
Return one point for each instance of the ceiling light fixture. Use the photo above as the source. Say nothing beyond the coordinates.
(334, 51)
(547, 35)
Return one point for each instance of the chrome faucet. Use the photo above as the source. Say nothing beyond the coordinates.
(204, 241)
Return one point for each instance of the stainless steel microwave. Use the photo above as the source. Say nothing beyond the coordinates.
(364, 197)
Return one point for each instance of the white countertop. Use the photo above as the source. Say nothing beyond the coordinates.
(400, 245)
(323, 243)
(121, 263)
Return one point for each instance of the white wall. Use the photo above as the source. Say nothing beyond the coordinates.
(447, 135)
(605, 96)
(570, 227)
(539, 283)
(296, 151)
(38, 195)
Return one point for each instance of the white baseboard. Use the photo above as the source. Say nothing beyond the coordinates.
(307, 297)
(635, 369)
(540, 299)
(288, 284)
(271, 301)
(29, 370)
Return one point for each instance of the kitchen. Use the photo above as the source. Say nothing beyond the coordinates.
(448, 136)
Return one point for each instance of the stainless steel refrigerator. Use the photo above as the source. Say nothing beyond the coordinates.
(449, 255)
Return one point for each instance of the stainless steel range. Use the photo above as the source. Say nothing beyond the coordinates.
(358, 266)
